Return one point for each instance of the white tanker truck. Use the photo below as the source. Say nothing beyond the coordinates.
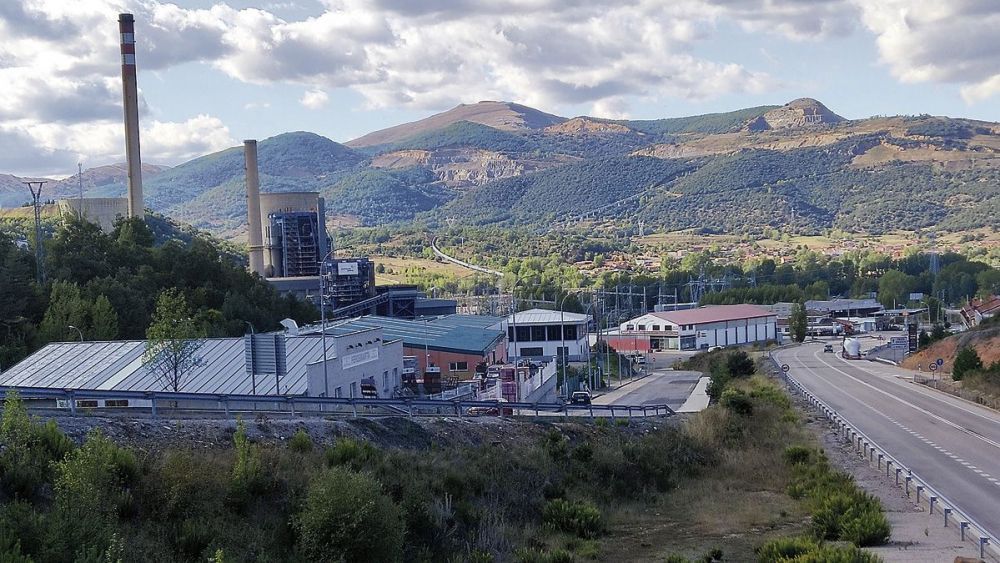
(852, 349)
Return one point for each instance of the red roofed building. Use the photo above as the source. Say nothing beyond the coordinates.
(695, 329)
(979, 310)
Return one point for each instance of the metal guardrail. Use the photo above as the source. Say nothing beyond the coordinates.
(301, 405)
(867, 447)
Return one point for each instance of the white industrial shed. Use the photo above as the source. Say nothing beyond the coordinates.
(117, 365)
(692, 329)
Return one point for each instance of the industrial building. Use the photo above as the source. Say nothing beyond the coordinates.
(695, 329)
(263, 364)
(541, 333)
(457, 344)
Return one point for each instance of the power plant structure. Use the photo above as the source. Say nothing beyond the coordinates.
(289, 247)
(130, 98)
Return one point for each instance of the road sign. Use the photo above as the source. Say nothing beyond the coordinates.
(934, 367)
(940, 362)
(784, 368)
(899, 342)
(911, 334)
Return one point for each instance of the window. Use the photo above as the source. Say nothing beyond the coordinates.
(385, 380)
(87, 404)
(338, 393)
(510, 334)
(656, 327)
(458, 366)
(554, 333)
(523, 334)
(570, 331)
(354, 390)
(532, 352)
(629, 327)
(116, 403)
(395, 375)
(538, 334)
(642, 327)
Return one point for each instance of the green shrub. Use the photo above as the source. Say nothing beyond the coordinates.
(867, 526)
(797, 455)
(248, 468)
(351, 453)
(739, 364)
(966, 360)
(346, 517)
(737, 401)
(835, 554)
(23, 526)
(581, 519)
(26, 461)
(300, 442)
(556, 445)
(785, 549)
(92, 489)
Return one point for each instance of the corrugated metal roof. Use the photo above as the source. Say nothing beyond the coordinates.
(117, 365)
(546, 316)
(420, 333)
(476, 321)
(713, 314)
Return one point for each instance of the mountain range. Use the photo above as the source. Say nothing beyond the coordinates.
(797, 164)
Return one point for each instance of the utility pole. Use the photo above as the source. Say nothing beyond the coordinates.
(36, 202)
(79, 176)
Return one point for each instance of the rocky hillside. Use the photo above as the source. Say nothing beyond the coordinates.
(798, 165)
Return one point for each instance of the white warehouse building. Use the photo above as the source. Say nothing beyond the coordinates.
(539, 333)
(695, 329)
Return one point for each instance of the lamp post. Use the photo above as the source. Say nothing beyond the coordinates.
(513, 318)
(562, 334)
(80, 332)
(322, 317)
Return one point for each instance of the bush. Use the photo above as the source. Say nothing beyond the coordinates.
(796, 455)
(965, 361)
(23, 526)
(785, 549)
(92, 489)
(739, 364)
(737, 401)
(531, 555)
(350, 453)
(346, 517)
(581, 519)
(30, 449)
(248, 471)
(300, 442)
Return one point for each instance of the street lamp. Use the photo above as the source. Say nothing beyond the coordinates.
(562, 334)
(322, 317)
(80, 332)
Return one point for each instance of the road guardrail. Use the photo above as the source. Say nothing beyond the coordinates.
(868, 448)
(300, 405)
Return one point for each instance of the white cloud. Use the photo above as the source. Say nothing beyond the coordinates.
(314, 99)
(436, 53)
(932, 41)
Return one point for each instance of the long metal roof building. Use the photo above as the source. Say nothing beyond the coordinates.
(117, 365)
(446, 334)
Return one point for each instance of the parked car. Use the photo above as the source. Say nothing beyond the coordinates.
(580, 398)
(715, 348)
(828, 348)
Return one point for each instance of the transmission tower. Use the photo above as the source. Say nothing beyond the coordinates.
(36, 196)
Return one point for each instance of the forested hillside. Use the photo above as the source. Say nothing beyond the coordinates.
(506, 164)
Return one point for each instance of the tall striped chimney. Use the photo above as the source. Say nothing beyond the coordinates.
(130, 95)
(256, 236)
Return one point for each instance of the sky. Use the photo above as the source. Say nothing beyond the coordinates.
(213, 73)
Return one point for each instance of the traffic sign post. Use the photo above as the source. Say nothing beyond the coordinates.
(784, 368)
(940, 362)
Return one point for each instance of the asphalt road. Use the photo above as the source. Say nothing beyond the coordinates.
(951, 444)
(667, 387)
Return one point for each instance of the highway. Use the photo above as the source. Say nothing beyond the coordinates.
(951, 444)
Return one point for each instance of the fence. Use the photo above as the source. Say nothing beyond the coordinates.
(867, 448)
(957, 389)
(160, 403)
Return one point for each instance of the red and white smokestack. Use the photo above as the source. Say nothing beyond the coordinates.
(130, 95)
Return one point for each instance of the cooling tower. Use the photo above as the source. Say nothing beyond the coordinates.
(130, 95)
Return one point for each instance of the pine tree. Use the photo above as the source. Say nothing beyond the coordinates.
(103, 320)
(66, 309)
(965, 361)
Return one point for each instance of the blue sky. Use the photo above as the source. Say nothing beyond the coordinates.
(212, 74)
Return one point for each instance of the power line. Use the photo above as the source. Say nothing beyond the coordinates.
(36, 203)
